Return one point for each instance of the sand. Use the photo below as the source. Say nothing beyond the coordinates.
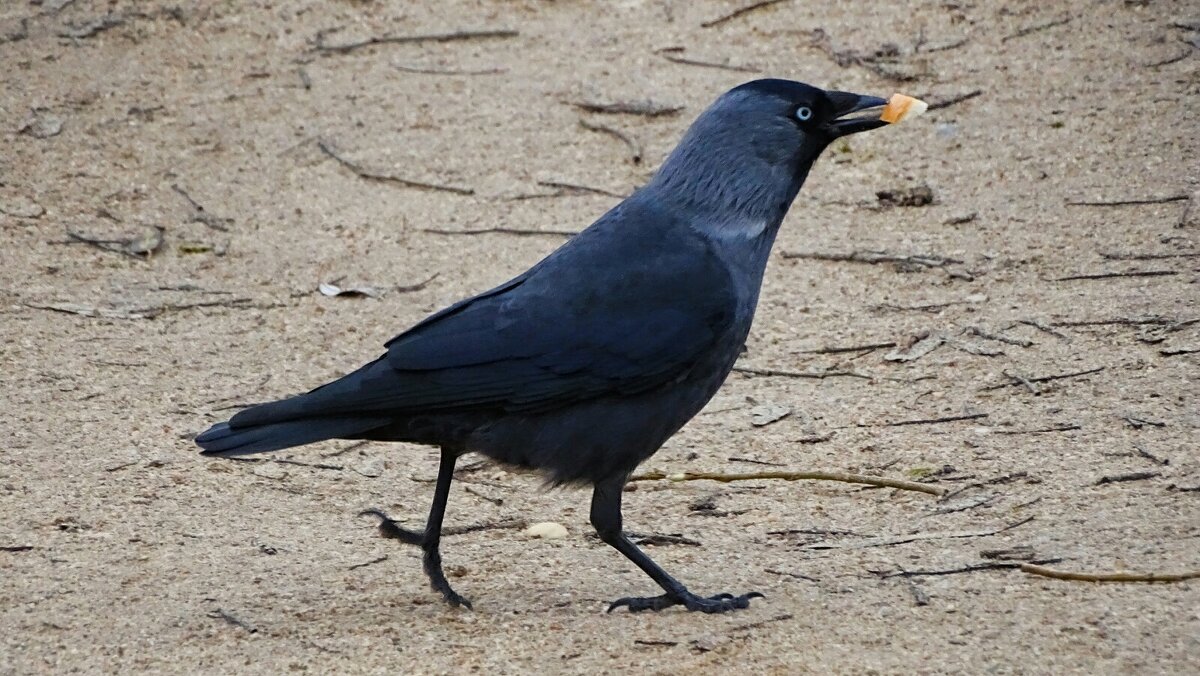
(121, 549)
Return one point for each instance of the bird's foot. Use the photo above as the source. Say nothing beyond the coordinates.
(713, 604)
(388, 528)
(394, 531)
(437, 580)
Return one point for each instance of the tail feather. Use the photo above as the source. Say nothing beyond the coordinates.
(226, 441)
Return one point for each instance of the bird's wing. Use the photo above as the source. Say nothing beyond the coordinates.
(596, 320)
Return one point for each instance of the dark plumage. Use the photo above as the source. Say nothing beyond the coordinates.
(585, 364)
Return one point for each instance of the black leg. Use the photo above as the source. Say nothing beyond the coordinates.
(431, 538)
(433, 531)
(606, 519)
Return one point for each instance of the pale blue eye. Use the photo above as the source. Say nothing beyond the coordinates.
(804, 113)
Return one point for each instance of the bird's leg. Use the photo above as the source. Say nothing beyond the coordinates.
(433, 531)
(430, 539)
(606, 519)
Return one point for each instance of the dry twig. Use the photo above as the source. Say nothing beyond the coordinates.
(1035, 29)
(870, 347)
(635, 148)
(643, 108)
(916, 537)
(1042, 379)
(740, 12)
(1034, 569)
(973, 568)
(372, 562)
(457, 36)
(800, 374)
(1110, 275)
(241, 624)
(683, 60)
(871, 257)
(200, 214)
(793, 476)
(932, 421)
(1126, 202)
(954, 100)
(387, 178)
(501, 231)
(1128, 476)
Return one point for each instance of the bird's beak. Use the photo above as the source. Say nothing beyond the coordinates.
(845, 103)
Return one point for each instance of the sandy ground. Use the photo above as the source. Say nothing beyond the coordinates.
(122, 549)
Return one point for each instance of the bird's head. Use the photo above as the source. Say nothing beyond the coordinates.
(752, 149)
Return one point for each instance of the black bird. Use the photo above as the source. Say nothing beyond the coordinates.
(583, 366)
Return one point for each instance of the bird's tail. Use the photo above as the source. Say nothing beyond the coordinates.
(226, 441)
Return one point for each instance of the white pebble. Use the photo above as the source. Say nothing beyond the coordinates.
(547, 530)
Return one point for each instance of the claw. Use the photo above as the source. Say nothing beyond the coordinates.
(714, 604)
(388, 528)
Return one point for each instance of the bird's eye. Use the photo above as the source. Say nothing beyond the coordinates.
(804, 113)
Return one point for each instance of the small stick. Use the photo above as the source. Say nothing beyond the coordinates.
(929, 261)
(1046, 379)
(1138, 423)
(425, 70)
(221, 614)
(1150, 456)
(946, 47)
(369, 175)
(457, 36)
(494, 501)
(967, 569)
(707, 64)
(786, 573)
(575, 188)
(200, 214)
(954, 100)
(635, 148)
(1042, 326)
(926, 307)
(917, 537)
(739, 12)
(1034, 29)
(734, 458)
(501, 231)
(1110, 275)
(800, 374)
(112, 245)
(1130, 476)
(1034, 569)
(976, 331)
(1127, 321)
(932, 421)
(1057, 428)
(661, 539)
(369, 563)
(1178, 351)
(643, 108)
(314, 465)
(415, 287)
(1126, 202)
(793, 476)
(870, 347)
(1145, 256)
(1187, 51)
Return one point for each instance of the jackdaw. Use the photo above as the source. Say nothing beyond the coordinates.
(583, 366)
